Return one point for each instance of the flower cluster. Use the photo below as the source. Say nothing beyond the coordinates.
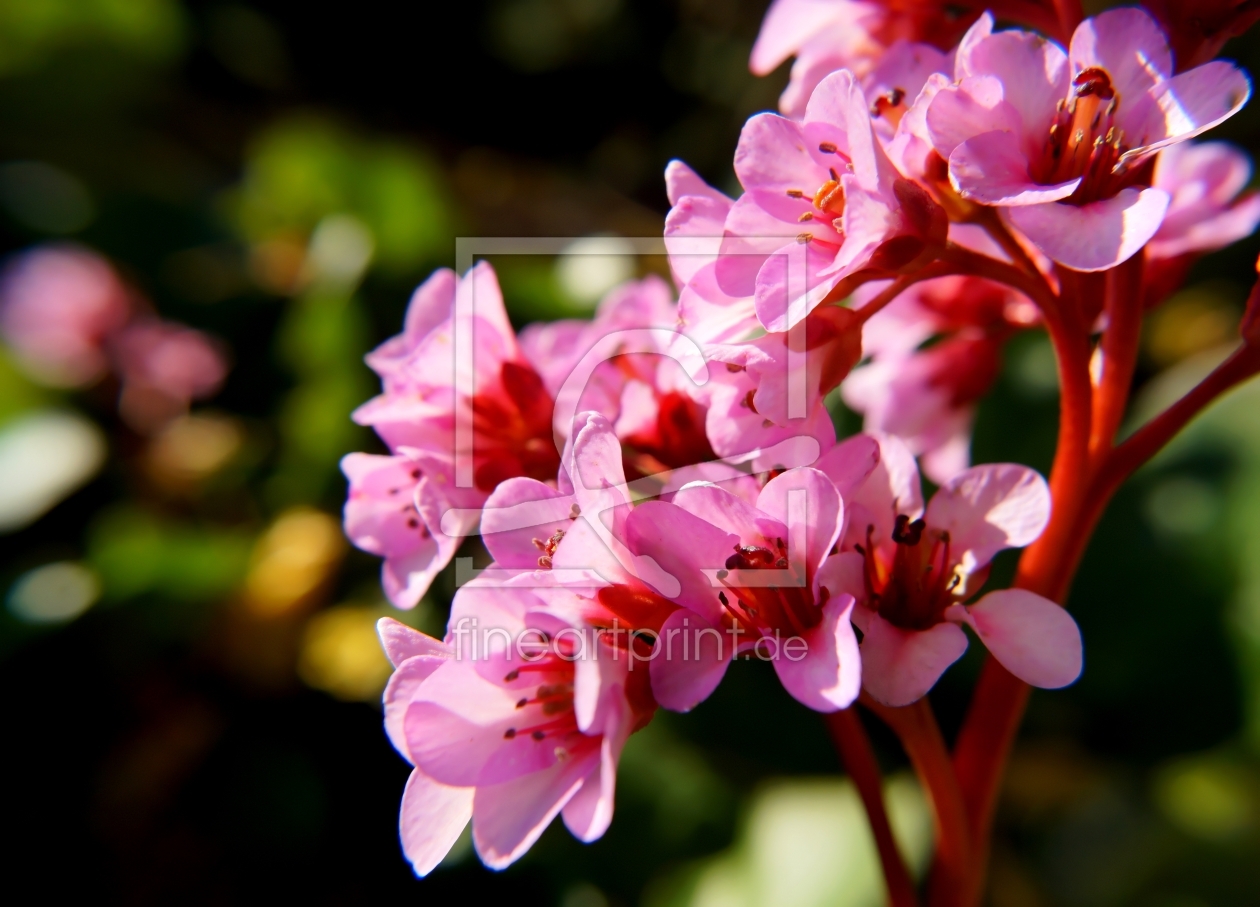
(71, 320)
(661, 488)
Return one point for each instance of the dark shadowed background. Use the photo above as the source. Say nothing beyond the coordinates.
(197, 721)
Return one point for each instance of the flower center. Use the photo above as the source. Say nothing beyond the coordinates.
(547, 716)
(1084, 140)
(512, 430)
(788, 610)
(912, 590)
(891, 106)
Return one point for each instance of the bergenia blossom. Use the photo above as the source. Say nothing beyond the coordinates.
(827, 35)
(507, 725)
(915, 575)
(59, 305)
(757, 578)
(163, 367)
(822, 204)
(926, 395)
(1208, 208)
(426, 388)
(654, 405)
(1062, 141)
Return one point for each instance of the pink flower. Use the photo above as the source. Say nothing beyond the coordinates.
(654, 405)
(748, 391)
(390, 507)
(509, 411)
(58, 306)
(927, 396)
(1206, 212)
(507, 724)
(828, 35)
(1061, 141)
(756, 579)
(913, 573)
(822, 205)
(164, 366)
(509, 408)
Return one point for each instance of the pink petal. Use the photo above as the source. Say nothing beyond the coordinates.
(818, 520)
(1184, 106)
(590, 811)
(693, 234)
(431, 820)
(980, 29)
(402, 642)
(829, 676)
(850, 463)
(1033, 638)
(1033, 73)
(991, 168)
(519, 511)
(842, 574)
(597, 683)
(728, 512)
(690, 660)
(404, 685)
(683, 545)
(774, 156)
(893, 488)
(1128, 44)
(1234, 223)
(786, 292)
(430, 305)
(970, 108)
(838, 112)
(509, 817)
(681, 180)
(989, 508)
(1096, 236)
(789, 24)
(900, 666)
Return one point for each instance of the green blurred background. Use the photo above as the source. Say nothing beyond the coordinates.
(189, 668)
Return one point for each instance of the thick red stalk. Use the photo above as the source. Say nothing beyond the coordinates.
(1119, 354)
(859, 760)
(915, 725)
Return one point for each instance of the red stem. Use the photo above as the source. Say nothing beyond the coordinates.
(1119, 354)
(855, 752)
(916, 727)
(1148, 440)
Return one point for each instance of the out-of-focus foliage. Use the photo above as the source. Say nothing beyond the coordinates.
(153, 30)
(187, 639)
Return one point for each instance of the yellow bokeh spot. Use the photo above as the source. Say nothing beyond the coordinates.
(1207, 798)
(292, 560)
(342, 655)
(1196, 319)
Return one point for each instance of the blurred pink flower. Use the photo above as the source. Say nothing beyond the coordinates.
(58, 306)
(912, 574)
(926, 396)
(1062, 140)
(1206, 212)
(163, 367)
(827, 35)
